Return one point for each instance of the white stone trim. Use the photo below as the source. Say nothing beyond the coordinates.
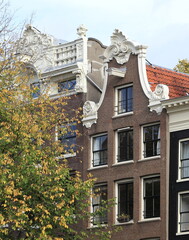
(90, 108)
(117, 72)
(161, 92)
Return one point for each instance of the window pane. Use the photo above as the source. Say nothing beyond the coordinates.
(35, 89)
(100, 150)
(184, 213)
(151, 135)
(67, 136)
(184, 149)
(98, 202)
(125, 202)
(66, 85)
(125, 100)
(184, 158)
(125, 146)
(152, 197)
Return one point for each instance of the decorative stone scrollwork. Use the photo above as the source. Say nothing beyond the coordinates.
(81, 31)
(80, 80)
(120, 48)
(89, 108)
(33, 45)
(161, 92)
(90, 113)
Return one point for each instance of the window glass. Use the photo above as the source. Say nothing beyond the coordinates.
(125, 202)
(151, 135)
(125, 145)
(66, 85)
(184, 159)
(35, 89)
(67, 136)
(184, 213)
(100, 150)
(125, 100)
(98, 203)
(151, 197)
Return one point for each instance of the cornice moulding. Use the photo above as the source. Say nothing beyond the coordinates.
(177, 104)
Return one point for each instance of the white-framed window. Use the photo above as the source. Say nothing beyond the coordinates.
(124, 200)
(67, 137)
(183, 159)
(99, 150)
(124, 145)
(183, 212)
(66, 85)
(99, 202)
(151, 197)
(123, 99)
(151, 140)
(36, 89)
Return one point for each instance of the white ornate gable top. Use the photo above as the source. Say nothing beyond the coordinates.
(33, 36)
(120, 48)
(33, 47)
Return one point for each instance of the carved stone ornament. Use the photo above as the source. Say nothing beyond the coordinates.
(90, 113)
(89, 108)
(81, 31)
(161, 92)
(33, 45)
(120, 48)
(80, 80)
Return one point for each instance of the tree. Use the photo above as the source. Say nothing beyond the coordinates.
(39, 198)
(182, 66)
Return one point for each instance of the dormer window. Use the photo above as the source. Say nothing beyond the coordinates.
(66, 85)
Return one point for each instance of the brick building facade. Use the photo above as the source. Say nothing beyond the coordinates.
(125, 127)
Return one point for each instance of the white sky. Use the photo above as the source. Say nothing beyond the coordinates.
(162, 25)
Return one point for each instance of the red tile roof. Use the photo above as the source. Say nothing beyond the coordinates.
(178, 83)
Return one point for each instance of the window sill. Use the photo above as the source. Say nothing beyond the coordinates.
(182, 180)
(124, 223)
(97, 226)
(122, 163)
(149, 158)
(62, 94)
(182, 233)
(68, 155)
(123, 114)
(99, 167)
(149, 220)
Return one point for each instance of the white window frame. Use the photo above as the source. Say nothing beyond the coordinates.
(142, 197)
(92, 140)
(179, 160)
(142, 141)
(54, 92)
(91, 200)
(66, 81)
(116, 101)
(117, 145)
(130, 180)
(178, 214)
(67, 155)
